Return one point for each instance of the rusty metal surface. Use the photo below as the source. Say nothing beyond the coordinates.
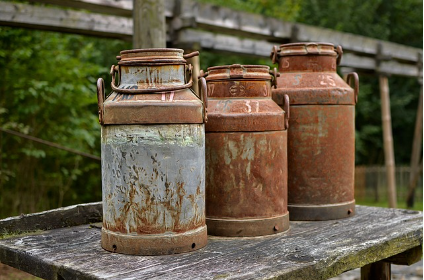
(239, 99)
(153, 88)
(322, 212)
(248, 227)
(321, 138)
(321, 154)
(246, 180)
(166, 107)
(153, 188)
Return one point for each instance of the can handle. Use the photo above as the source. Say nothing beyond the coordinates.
(355, 77)
(286, 108)
(204, 97)
(190, 55)
(274, 54)
(339, 51)
(100, 98)
(274, 74)
(113, 71)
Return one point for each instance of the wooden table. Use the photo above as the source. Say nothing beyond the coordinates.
(65, 244)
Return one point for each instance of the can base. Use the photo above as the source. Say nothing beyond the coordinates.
(247, 227)
(154, 244)
(322, 212)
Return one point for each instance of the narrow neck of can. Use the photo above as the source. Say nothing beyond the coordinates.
(152, 76)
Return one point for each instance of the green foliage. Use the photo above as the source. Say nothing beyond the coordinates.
(49, 92)
(398, 21)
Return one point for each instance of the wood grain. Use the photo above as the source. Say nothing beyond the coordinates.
(310, 250)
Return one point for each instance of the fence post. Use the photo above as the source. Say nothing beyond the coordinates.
(389, 156)
(149, 25)
(416, 148)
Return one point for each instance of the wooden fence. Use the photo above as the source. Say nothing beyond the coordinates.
(371, 183)
(193, 25)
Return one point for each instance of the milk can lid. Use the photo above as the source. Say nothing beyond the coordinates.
(154, 56)
(237, 71)
(307, 48)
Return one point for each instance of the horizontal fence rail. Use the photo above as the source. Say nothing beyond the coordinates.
(193, 25)
(371, 183)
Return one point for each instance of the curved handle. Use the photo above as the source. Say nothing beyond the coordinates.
(113, 72)
(339, 51)
(204, 97)
(286, 108)
(100, 98)
(190, 55)
(275, 74)
(274, 53)
(356, 84)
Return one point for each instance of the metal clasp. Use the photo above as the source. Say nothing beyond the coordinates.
(236, 71)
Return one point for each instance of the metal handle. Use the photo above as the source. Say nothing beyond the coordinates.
(274, 53)
(190, 55)
(339, 51)
(286, 108)
(274, 74)
(100, 98)
(356, 84)
(203, 74)
(204, 97)
(113, 72)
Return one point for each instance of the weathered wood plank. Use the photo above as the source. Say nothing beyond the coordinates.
(62, 217)
(149, 25)
(110, 7)
(53, 19)
(408, 257)
(376, 271)
(310, 250)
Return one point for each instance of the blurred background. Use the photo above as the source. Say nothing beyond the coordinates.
(48, 91)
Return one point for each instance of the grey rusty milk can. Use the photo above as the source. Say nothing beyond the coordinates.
(153, 155)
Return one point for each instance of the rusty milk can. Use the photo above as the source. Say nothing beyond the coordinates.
(321, 138)
(246, 156)
(153, 156)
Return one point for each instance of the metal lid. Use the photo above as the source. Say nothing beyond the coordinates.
(237, 71)
(147, 56)
(307, 49)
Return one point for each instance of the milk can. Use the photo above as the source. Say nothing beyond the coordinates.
(321, 138)
(153, 156)
(246, 156)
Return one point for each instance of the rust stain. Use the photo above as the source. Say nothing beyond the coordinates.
(321, 137)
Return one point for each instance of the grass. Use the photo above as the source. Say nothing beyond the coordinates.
(418, 205)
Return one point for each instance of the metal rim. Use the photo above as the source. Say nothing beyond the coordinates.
(236, 65)
(322, 212)
(152, 50)
(306, 43)
(248, 227)
(154, 244)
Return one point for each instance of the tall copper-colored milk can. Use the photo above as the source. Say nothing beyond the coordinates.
(153, 156)
(246, 159)
(321, 138)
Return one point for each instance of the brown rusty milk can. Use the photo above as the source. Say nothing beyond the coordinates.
(153, 156)
(321, 138)
(246, 153)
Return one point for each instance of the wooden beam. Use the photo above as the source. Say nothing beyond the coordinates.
(416, 150)
(389, 156)
(110, 7)
(408, 257)
(376, 271)
(149, 24)
(53, 19)
(189, 21)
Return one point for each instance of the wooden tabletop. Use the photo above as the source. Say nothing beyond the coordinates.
(309, 250)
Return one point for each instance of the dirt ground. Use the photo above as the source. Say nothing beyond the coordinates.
(10, 273)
